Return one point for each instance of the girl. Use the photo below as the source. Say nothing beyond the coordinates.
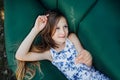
(62, 49)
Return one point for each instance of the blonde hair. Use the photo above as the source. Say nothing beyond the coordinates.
(26, 70)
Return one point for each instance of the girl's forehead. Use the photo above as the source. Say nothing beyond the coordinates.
(62, 20)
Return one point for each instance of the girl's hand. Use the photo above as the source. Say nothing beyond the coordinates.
(40, 22)
(84, 57)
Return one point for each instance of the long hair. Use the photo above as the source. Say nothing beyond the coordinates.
(45, 44)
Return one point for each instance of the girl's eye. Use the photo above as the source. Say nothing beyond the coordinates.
(66, 26)
(57, 28)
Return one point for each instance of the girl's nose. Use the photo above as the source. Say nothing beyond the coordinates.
(62, 31)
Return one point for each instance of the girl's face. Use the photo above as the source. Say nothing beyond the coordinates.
(61, 31)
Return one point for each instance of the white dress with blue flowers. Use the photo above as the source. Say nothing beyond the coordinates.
(65, 62)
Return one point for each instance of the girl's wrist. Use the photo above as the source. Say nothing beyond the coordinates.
(35, 31)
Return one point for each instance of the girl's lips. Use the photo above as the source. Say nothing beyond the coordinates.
(61, 36)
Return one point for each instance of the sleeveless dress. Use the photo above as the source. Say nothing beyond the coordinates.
(65, 62)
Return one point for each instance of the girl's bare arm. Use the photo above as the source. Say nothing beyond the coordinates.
(23, 50)
(84, 56)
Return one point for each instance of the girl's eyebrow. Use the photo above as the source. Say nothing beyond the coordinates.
(63, 25)
(66, 25)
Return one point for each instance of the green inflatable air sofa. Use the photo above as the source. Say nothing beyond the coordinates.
(95, 22)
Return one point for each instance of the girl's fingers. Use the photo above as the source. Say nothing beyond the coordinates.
(88, 61)
(41, 19)
(84, 57)
(79, 58)
(47, 15)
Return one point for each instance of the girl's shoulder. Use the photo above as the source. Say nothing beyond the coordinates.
(72, 37)
(76, 41)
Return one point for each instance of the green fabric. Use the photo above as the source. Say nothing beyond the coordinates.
(99, 32)
(49, 4)
(96, 22)
(73, 10)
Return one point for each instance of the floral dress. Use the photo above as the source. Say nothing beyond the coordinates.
(65, 62)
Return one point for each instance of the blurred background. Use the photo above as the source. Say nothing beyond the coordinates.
(5, 72)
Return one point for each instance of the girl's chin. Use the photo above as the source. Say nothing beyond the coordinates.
(61, 41)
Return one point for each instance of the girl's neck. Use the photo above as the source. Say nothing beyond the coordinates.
(60, 47)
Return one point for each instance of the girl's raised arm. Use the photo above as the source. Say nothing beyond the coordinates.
(23, 50)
